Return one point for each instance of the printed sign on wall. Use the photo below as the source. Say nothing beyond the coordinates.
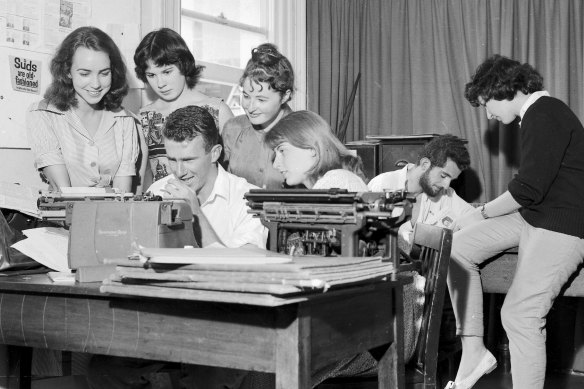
(25, 74)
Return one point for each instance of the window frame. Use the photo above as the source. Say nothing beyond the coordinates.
(286, 28)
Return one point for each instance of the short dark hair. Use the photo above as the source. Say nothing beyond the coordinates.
(61, 92)
(500, 78)
(439, 149)
(191, 121)
(166, 47)
(268, 65)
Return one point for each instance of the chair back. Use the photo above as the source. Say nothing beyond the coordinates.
(431, 256)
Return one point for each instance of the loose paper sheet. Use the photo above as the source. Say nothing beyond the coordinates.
(46, 245)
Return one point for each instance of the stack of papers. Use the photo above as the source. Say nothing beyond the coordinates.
(238, 274)
(46, 245)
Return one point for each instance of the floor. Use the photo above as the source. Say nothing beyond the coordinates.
(499, 379)
(70, 382)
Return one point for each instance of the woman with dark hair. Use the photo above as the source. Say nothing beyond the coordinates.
(268, 85)
(165, 63)
(80, 135)
(307, 152)
(541, 213)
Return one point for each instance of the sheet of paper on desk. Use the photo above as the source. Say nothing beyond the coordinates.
(46, 245)
(21, 198)
(238, 256)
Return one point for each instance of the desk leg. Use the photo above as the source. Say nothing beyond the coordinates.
(391, 365)
(4, 367)
(293, 349)
(15, 359)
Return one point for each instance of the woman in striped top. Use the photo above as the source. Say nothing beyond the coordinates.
(79, 134)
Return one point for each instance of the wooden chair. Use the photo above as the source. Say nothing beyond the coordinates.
(430, 257)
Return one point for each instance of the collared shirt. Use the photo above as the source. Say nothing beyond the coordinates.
(59, 138)
(247, 155)
(442, 211)
(226, 211)
(342, 179)
(530, 100)
(394, 180)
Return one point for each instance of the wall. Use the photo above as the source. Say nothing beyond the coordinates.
(122, 20)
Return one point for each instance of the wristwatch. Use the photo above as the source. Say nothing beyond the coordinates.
(485, 216)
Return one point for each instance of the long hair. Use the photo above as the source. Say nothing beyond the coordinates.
(307, 130)
(61, 92)
(268, 65)
(166, 47)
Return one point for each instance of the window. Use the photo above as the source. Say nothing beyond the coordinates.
(221, 34)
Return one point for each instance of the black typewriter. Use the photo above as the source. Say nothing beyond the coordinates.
(331, 222)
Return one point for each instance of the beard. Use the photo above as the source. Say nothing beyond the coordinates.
(427, 187)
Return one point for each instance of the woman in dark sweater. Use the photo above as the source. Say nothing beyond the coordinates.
(542, 212)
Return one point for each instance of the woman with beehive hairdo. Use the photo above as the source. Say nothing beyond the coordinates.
(267, 86)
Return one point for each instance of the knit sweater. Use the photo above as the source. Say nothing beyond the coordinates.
(550, 183)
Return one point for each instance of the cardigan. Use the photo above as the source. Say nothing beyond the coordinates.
(550, 182)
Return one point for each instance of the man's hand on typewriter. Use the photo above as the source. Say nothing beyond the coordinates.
(179, 190)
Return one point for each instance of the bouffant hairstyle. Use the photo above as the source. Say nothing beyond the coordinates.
(268, 65)
(500, 78)
(61, 92)
(166, 47)
(307, 130)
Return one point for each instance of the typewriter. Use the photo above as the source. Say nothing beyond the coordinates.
(107, 225)
(332, 222)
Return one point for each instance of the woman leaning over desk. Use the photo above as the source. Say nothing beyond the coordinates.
(79, 134)
(307, 152)
(267, 87)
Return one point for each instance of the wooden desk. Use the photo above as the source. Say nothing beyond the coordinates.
(291, 339)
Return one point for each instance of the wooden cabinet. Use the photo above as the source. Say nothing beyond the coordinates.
(383, 153)
(369, 153)
(396, 150)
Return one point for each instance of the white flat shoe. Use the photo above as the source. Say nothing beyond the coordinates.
(487, 364)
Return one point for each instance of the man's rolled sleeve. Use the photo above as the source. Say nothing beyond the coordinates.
(249, 230)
